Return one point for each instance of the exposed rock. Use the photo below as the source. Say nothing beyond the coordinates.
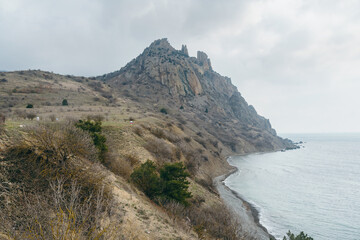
(184, 50)
(204, 60)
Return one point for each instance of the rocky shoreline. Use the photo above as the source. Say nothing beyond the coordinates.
(246, 213)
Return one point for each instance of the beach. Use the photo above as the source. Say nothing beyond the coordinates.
(246, 214)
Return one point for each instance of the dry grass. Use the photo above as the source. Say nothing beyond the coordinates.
(51, 185)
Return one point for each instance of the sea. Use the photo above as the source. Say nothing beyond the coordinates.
(314, 189)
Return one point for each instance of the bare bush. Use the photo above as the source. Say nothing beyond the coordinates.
(52, 117)
(158, 132)
(215, 220)
(95, 117)
(138, 130)
(30, 116)
(118, 165)
(201, 142)
(161, 150)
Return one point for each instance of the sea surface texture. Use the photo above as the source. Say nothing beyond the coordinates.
(315, 189)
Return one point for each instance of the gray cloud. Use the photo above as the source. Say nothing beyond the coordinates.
(295, 61)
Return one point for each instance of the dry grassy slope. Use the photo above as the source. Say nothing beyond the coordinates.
(128, 144)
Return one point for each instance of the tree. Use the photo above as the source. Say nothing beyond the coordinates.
(301, 236)
(169, 183)
(175, 185)
(29, 105)
(147, 179)
(65, 102)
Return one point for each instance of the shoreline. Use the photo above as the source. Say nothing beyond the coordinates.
(246, 213)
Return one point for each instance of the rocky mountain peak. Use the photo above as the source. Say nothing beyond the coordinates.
(161, 44)
(204, 60)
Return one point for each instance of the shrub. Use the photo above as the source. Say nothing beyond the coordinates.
(31, 116)
(29, 105)
(301, 236)
(164, 111)
(169, 183)
(94, 128)
(52, 117)
(217, 221)
(158, 132)
(147, 179)
(64, 102)
(138, 130)
(160, 149)
(175, 185)
(96, 117)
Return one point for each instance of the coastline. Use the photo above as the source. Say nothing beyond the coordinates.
(246, 213)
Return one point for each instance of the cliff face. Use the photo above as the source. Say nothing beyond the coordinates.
(164, 76)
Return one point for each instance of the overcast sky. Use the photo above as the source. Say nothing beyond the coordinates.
(297, 62)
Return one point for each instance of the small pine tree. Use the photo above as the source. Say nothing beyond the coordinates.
(29, 105)
(65, 102)
(170, 185)
(146, 178)
(175, 185)
(301, 236)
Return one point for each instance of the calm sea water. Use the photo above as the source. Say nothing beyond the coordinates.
(315, 189)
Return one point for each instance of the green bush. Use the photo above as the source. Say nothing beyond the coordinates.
(169, 183)
(175, 185)
(301, 236)
(65, 102)
(164, 111)
(94, 128)
(29, 105)
(147, 179)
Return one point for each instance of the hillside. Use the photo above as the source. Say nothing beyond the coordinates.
(163, 106)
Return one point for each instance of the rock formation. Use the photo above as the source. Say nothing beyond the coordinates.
(164, 76)
(184, 50)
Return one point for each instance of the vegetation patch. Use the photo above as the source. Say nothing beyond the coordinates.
(167, 183)
(94, 128)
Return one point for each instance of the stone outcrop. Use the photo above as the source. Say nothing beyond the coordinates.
(203, 60)
(184, 50)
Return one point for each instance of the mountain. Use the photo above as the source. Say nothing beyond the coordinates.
(165, 77)
(163, 106)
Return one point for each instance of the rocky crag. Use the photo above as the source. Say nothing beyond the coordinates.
(163, 77)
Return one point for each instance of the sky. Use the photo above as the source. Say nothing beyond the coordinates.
(297, 62)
